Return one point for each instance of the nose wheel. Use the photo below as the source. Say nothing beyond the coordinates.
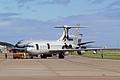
(31, 56)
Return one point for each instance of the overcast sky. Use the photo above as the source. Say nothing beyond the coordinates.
(36, 19)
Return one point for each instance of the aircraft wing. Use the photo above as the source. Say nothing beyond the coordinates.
(90, 49)
(85, 43)
(63, 50)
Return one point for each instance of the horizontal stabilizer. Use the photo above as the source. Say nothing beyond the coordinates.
(68, 27)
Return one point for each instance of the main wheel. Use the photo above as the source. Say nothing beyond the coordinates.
(61, 55)
(43, 56)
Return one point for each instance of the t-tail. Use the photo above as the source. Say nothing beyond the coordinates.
(66, 37)
(75, 37)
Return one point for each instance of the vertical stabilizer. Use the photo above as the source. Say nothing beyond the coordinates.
(61, 38)
(76, 36)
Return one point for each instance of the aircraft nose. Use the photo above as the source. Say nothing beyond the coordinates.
(19, 45)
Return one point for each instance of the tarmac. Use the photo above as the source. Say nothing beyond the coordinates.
(71, 68)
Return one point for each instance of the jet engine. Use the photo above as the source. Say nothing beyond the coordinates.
(66, 46)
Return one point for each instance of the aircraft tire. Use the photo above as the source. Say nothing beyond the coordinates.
(31, 57)
(43, 56)
(79, 52)
(61, 56)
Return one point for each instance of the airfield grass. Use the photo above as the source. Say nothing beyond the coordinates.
(104, 54)
(1, 60)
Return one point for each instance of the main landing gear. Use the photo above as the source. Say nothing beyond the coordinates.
(61, 55)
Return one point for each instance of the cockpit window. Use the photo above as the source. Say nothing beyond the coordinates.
(19, 42)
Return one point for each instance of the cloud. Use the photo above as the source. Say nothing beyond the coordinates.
(8, 14)
(54, 2)
(14, 29)
(4, 23)
(96, 1)
(114, 4)
(21, 3)
(103, 27)
(25, 3)
(112, 13)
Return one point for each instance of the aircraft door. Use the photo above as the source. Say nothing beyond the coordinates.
(37, 46)
(48, 45)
